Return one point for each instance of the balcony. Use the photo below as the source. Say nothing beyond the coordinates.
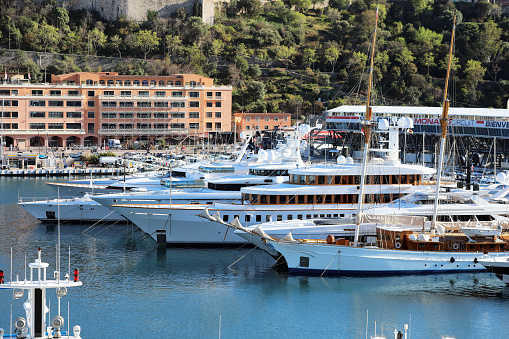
(148, 131)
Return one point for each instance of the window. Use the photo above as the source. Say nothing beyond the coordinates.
(266, 127)
(178, 115)
(192, 83)
(218, 114)
(178, 126)
(161, 126)
(37, 92)
(15, 92)
(109, 104)
(125, 93)
(267, 118)
(37, 114)
(5, 92)
(109, 93)
(144, 115)
(144, 83)
(91, 127)
(209, 104)
(73, 103)
(169, 83)
(209, 95)
(55, 93)
(126, 115)
(178, 83)
(194, 94)
(248, 118)
(91, 115)
(161, 115)
(178, 104)
(101, 82)
(109, 115)
(218, 126)
(127, 83)
(55, 126)
(136, 83)
(36, 103)
(144, 104)
(247, 218)
(91, 103)
(142, 126)
(194, 115)
(126, 104)
(276, 118)
(161, 82)
(160, 93)
(53, 103)
(37, 126)
(208, 114)
(55, 114)
(279, 217)
(209, 125)
(73, 93)
(176, 94)
(74, 114)
(160, 104)
(194, 104)
(218, 95)
(91, 93)
(218, 103)
(143, 93)
(194, 125)
(125, 126)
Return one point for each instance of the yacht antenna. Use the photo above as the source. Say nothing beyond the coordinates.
(444, 121)
(366, 127)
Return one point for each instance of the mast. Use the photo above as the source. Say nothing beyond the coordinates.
(443, 123)
(366, 126)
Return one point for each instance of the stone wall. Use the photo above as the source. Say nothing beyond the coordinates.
(136, 10)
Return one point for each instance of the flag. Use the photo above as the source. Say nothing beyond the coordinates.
(5, 74)
(29, 77)
(409, 131)
(377, 12)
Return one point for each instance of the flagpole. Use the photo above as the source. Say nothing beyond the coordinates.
(2, 135)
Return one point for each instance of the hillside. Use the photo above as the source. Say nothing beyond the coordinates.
(281, 56)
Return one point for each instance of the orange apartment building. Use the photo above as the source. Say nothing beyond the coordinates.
(261, 121)
(90, 108)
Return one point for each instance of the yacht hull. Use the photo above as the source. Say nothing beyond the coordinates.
(319, 259)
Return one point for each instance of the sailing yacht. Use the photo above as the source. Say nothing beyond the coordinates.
(403, 244)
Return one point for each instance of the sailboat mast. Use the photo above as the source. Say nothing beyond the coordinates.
(366, 126)
(444, 121)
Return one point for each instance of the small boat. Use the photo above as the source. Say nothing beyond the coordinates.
(35, 287)
(481, 231)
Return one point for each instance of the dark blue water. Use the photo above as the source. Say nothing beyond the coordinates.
(135, 290)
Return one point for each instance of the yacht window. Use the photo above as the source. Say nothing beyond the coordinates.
(337, 179)
(247, 218)
(395, 179)
(263, 199)
(319, 199)
(273, 199)
(321, 180)
(225, 217)
(235, 217)
(342, 215)
(376, 179)
(404, 179)
(301, 199)
(267, 218)
(295, 178)
(279, 217)
(289, 217)
(387, 198)
(338, 199)
(299, 216)
(258, 218)
(329, 215)
(292, 200)
(282, 199)
(328, 199)
(330, 179)
(357, 179)
(368, 179)
(315, 215)
(322, 215)
(311, 179)
(302, 179)
(310, 199)
(334, 215)
(386, 180)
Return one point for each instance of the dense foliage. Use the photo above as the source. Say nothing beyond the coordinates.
(288, 56)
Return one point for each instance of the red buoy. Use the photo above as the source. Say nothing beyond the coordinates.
(76, 275)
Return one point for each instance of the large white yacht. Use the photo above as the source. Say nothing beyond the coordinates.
(318, 191)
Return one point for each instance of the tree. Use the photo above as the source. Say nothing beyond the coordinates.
(428, 60)
(420, 6)
(48, 36)
(97, 39)
(255, 91)
(309, 57)
(249, 7)
(474, 72)
(173, 45)
(115, 43)
(146, 40)
(331, 55)
(489, 43)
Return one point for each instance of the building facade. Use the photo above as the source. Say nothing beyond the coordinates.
(261, 121)
(90, 108)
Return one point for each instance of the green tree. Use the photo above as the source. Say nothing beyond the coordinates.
(116, 43)
(428, 60)
(420, 6)
(97, 39)
(146, 41)
(48, 36)
(255, 90)
(309, 57)
(173, 45)
(474, 73)
(331, 55)
(489, 43)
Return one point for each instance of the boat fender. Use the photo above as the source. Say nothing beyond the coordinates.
(475, 260)
(330, 239)
(398, 245)
(455, 246)
(452, 260)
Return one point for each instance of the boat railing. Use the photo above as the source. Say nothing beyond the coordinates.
(24, 200)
